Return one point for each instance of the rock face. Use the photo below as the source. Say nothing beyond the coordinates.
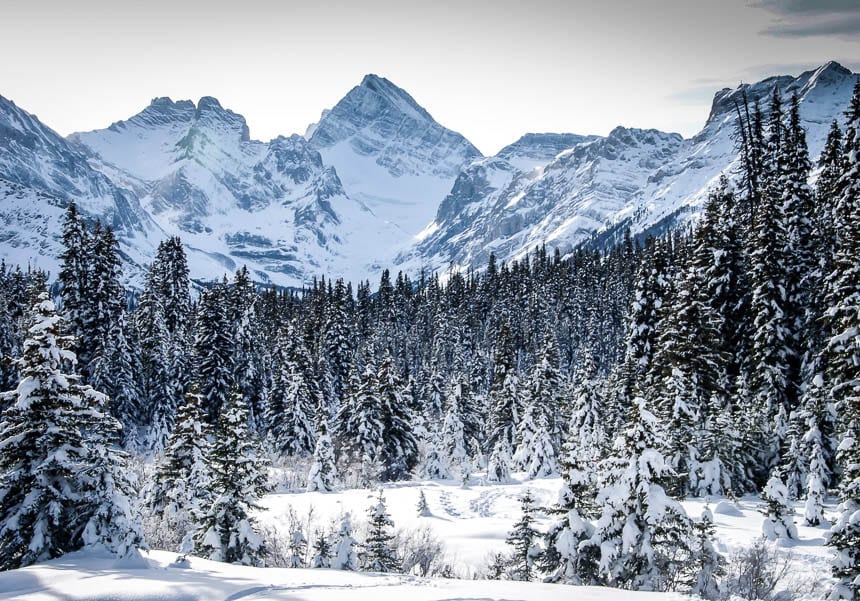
(644, 180)
(390, 153)
(377, 182)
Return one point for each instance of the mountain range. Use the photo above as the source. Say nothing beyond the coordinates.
(375, 183)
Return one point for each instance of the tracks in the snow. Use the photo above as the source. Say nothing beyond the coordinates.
(481, 506)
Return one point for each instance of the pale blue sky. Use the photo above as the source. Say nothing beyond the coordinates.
(491, 70)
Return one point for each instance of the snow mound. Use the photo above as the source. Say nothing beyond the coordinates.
(725, 507)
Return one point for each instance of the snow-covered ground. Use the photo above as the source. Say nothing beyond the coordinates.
(92, 577)
(473, 523)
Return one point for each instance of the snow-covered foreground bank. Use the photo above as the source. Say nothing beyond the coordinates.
(80, 576)
(473, 522)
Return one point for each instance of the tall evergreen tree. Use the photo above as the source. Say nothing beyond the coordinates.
(61, 481)
(225, 528)
(323, 472)
(378, 553)
(213, 351)
(74, 278)
(361, 427)
(523, 538)
(843, 364)
(181, 478)
(641, 531)
(400, 448)
(292, 397)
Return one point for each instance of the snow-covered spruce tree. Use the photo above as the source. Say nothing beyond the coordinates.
(843, 363)
(717, 334)
(453, 443)
(298, 548)
(323, 550)
(105, 301)
(778, 523)
(113, 521)
(60, 478)
(707, 565)
(723, 460)
(642, 533)
(248, 361)
(504, 400)
(565, 558)
(213, 350)
(499, 464)
(794, 461)
(400, 449)
(587, 438)
(378, 553)
(435, 467)
(181, 480)
(545, 389)
(75, 266)
(650, 292)
(360, 426)
(816, 479)
(800, 240)
(826, 196)
(504, 394)
(292, 397)
(535, 453)
(687, 359)
(524, 540)
(161, 387)
(814, 425)
(433, 392)
(338, 339)
(323, 472)
(423, 508)
(345, 557)
(225, 529)
(771, 352)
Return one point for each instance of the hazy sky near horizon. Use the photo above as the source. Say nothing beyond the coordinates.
(491, 70)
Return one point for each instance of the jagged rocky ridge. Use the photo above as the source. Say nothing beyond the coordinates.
(376, 182)
(644, 180)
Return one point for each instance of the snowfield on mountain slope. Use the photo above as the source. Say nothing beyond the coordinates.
(473, 523)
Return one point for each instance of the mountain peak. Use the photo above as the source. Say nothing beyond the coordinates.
(821, 79)
(393, 96)
(372, 80)
(833, 67)
(209, 103)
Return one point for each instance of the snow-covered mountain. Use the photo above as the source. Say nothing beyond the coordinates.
(273, 206)
(497, 207)
(376, 182)
(390, 153)
(642, 179)
(40, 173)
